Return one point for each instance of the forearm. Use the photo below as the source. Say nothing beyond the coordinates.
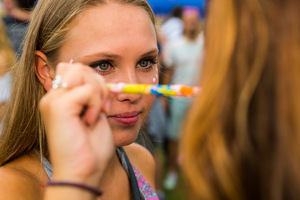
(21, 15)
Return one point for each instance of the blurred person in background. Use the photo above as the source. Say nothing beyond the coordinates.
(172, 28)
(183, 56)
(7, 57)
(17, 16)
(242, 134)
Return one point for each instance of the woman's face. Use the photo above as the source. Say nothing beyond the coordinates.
(119, 42)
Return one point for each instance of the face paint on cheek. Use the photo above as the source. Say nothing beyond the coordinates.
(156, 76)
(71, 61)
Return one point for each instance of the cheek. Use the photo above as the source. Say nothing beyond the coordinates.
(150, 77)
(148, 101)
(155, 79)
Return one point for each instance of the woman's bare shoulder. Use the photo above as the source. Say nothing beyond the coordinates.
(139, 155)
(15, 184)
(143, 160)
(19, 182)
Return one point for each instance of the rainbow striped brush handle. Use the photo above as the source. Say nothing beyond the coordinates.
(161, 90)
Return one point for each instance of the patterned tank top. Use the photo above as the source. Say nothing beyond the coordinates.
(140, 188)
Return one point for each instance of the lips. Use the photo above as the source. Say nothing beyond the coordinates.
(127, 118)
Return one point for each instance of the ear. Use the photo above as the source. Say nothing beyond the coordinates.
(42, 70)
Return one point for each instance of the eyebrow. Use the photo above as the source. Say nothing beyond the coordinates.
(104, 54)
(115, 56)
(154, 51)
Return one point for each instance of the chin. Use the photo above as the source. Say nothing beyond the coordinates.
(124, 137)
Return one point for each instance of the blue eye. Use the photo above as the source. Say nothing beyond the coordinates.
(147, 62)
(144, 63)
(102, 65)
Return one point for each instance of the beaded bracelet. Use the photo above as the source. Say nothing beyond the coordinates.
(78, 185)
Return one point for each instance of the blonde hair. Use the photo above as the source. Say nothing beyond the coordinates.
(242, 136)
(6, 50)
(23, 129)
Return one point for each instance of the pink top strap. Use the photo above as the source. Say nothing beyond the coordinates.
(144, 186)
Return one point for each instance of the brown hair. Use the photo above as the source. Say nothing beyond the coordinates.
(241, 139)
(23, 129)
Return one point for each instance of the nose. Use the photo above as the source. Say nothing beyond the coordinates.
(129, 77)
(130, 98)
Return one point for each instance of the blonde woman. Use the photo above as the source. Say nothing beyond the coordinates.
(82, 142)
(242, 135)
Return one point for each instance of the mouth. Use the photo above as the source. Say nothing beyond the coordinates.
(127, 118)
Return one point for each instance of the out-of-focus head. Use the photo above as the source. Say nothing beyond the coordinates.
(177, 12)
(23, 4)
(242, 134)
(26, 4)
(191, 18)
(8, 4)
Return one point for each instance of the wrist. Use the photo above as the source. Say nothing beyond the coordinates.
(92, 180)
(63, 192)
(80, 188)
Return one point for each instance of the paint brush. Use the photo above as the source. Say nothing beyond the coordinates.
(154, 89)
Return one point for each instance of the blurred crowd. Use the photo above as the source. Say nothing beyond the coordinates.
(15, 15)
